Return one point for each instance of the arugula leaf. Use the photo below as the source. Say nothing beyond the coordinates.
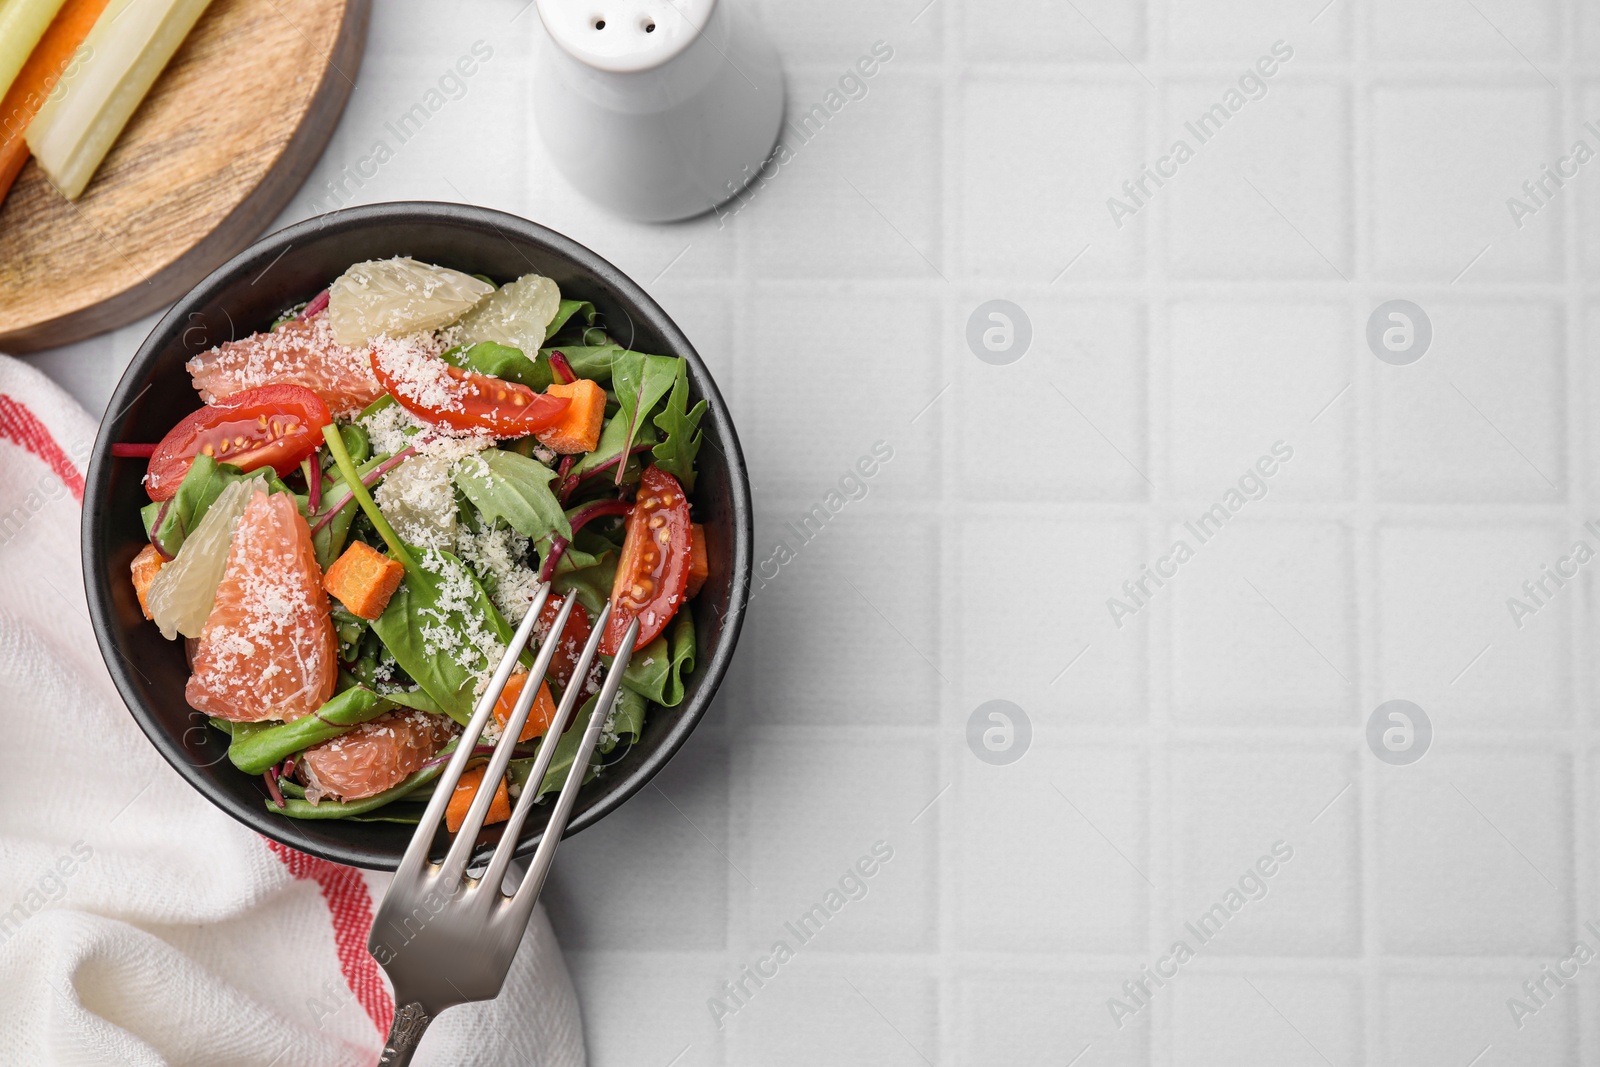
(435, 608)
(170, 522)
(656, 671)
(509, 486)
(675, 454)
(640, 382)
(501, 361)
(565, 311)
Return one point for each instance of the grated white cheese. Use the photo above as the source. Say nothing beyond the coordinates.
(419, 500)
(418, 374)
(390, 429)
(482, 649)
(501, 554)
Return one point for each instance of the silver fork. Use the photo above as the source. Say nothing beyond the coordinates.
(444, 937)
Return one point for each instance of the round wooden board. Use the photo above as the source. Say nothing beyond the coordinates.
(228, 133)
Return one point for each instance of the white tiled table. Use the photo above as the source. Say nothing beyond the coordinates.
(1228, 713)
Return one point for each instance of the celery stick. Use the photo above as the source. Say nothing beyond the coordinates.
(22, 23)
(118, 62)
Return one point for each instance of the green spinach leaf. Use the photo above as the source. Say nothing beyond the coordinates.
(435, 625)
(170, 522)
(640, 382)
(501, 361)
(513, 487)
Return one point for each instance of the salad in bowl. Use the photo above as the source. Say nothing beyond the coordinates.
(346, 534)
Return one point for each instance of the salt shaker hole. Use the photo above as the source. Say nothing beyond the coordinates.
(599, 24)
(649, 27)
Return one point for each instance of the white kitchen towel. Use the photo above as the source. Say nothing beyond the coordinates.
(140, 925)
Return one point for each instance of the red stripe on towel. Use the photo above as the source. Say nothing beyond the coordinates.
(22, 426)
(351, 907)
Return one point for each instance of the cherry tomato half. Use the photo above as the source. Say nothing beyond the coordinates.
(573, 638)
(464, 400)
(654, 569)
(273, 426)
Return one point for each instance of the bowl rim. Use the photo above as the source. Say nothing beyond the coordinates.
(261, 255)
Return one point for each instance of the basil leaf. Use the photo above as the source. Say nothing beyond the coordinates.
(656, 671)
(513, 487)
(681, 426)
(640, 382)
(170, 522)
(441, 599)
(501, 361)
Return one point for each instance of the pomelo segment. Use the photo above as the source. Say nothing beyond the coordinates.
(375, 756)
(268, 650)
(516, 314)
(182, 593)
(398, 296)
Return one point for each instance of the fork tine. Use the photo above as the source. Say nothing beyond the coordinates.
(416, 855)
(520, 906)
(564, 713)
(460, 853)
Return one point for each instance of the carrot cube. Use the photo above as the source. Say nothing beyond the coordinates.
(579, 428)
(540, 716)
(145, 567)
(699, 565)
(466, 789)
(363, 580)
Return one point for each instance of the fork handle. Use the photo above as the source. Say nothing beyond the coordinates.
(405, 1034)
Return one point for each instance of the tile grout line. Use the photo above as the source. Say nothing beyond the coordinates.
(1580, 675)
(1160, 832)
(1365, 526)
(951, 254)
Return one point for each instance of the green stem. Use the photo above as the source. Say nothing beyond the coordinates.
(352, 478)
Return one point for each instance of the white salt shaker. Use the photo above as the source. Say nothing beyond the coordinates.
(657, 109)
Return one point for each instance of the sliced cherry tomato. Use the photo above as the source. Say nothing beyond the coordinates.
(436, 392)
(273, 426)
(654, 569)
(573, 638)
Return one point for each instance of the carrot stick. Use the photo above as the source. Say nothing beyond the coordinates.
(48, 61)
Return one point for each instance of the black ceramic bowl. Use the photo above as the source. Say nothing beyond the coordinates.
(245, 295)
